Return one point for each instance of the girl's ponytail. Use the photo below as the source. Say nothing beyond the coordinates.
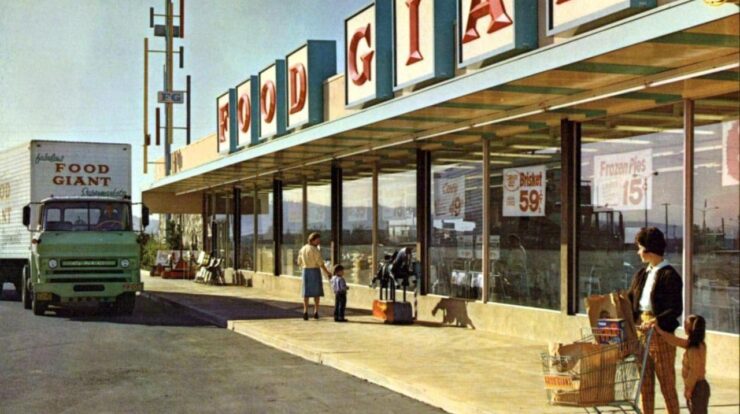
(698, 327)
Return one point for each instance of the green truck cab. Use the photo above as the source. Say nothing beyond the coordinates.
(82, 249)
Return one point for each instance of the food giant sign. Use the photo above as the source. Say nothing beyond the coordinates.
(398, 44)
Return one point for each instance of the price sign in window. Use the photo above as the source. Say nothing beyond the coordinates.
(524, 191)
(623, 181)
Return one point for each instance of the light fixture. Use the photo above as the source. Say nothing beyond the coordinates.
(514, 155)
(693, 74)
(462, 160)
(436, 134)
(269, 173)
(509, 118)
(318, 161)
(392, 144)
(362, 151)
(530, 147)
(597, 97)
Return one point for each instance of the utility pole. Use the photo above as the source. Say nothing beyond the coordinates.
(168, 96)
(666, 217)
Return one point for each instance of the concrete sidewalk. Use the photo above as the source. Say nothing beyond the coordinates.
(457, 369)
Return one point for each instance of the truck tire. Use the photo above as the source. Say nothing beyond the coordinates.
(38, 307)
(25, 289)
(125, 303)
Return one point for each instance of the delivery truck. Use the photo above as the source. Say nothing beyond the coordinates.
(66, 225)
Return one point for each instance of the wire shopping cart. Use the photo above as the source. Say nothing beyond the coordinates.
(601, 370)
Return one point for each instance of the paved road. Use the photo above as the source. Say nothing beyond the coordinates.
(159, 360)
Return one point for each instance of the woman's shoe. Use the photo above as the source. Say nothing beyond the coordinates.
(305, 316)
(316, 315)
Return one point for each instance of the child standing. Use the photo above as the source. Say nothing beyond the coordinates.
(339, 286)
(696, 387)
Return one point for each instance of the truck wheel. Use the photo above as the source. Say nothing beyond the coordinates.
(125, 303)
(25, 289)
(38, 307)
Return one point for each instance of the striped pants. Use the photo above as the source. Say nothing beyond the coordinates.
(661, 363)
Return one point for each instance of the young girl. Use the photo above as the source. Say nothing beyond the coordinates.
(696, 387)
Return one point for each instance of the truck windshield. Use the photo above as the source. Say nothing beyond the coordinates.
(87, 216)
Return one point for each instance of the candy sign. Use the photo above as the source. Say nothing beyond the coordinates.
(623, 181)
(449, 197)
(524, 191)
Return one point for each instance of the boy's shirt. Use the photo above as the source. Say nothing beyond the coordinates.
(338, 285)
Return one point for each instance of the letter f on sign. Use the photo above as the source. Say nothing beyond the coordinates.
(360, 78)
(223, 122)
(481, 8)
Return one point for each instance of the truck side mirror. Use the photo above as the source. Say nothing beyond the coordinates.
(26, 216)
(144, 216)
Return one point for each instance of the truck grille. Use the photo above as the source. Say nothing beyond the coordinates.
(89, 263)
(87, 280)
(88, 272)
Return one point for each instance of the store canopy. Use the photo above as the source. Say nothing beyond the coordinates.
(628, 67)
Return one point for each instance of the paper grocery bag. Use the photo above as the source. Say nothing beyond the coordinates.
(601, 307)
(615, 305)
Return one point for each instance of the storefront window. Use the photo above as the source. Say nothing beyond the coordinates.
(455, 247)
(631, 177)
(397, 201)
(357, 229)
(265, 254)
(524, 239)
(246, 252)
(319, 213)
(293, 237)
(224, 230)
(716, 256)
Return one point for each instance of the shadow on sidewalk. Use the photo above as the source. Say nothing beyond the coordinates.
(146, 313)
(234, 308)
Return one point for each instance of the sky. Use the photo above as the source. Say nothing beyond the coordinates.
(73, 69)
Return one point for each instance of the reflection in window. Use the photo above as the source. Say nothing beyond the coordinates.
(224, 229)
(631, 177)
(246, 253)
(716, 256)
(357, 230)
(319, 213)
(265, 255)
(456, 210)
(525, 225)
(397, 204)
(292, 229)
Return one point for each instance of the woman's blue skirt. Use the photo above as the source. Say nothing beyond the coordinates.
(311, 283)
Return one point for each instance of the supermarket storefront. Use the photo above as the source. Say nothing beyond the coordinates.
(519, 156)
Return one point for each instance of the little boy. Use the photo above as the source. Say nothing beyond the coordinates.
(339, 286)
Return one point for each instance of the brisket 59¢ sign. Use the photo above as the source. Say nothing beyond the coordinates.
(623, 181)
(524, 191)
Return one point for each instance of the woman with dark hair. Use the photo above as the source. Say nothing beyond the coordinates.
(656, 294)
(694, 367)
(309, 258)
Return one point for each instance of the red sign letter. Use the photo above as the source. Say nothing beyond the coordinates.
(480, 8)
(366, 75)
(245, 112)
(223, 122)
(414, 53)
(268, 112)
(297, 80)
